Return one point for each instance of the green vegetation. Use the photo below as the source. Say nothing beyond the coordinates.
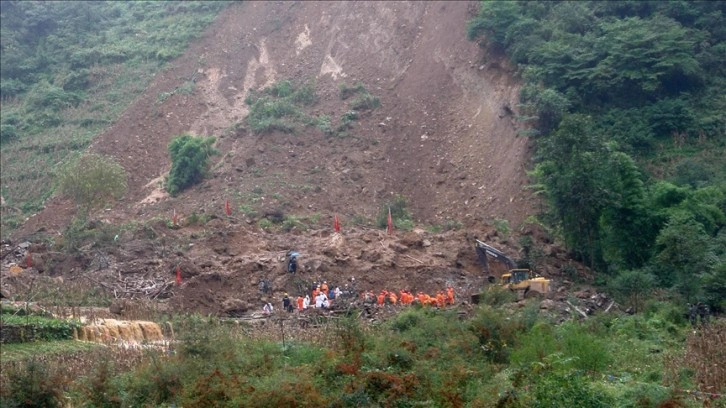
(92, 181)
(279, 107)
(68, 70)
(23, 351)
(624, 101)
(399, 214)
(189, 159)
(506, 357)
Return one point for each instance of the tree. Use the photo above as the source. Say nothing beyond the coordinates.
(684, 253)
(627, 225)
(633, 285)
(92, 181)
(189, 157)
(572, 169)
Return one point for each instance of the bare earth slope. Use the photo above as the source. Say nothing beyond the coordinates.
(444, 137)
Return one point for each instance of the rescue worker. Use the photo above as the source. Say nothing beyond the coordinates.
(440, 299)
(381, 298)
(306, 302)
(324, 288)
(292, 264)
(393, 298)
(300, 304)
(449, 295)
(286, 303)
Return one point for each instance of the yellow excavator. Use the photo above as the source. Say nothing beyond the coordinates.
(522, 281)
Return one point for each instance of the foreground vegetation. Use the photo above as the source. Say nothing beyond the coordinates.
(625, 101)
(495, 356)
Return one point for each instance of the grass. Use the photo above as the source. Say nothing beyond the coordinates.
(21, 351)
(421, 356)
(125, 65)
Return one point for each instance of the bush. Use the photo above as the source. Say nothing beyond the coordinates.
(567, 390)
(348, 91)
(495, 333)
(365, 102)
(31, 385)
(189, 157)
(92, 181)
(399, 214)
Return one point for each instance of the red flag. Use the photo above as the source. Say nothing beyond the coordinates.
(29, 260)
(336, 223)
(390, 221)
(227, 208)
(178, 275)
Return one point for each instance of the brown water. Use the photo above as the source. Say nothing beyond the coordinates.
(111, 330)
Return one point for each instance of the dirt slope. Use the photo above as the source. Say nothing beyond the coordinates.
(444, 137)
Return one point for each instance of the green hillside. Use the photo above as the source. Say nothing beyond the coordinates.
(626, 104)
(68, 69)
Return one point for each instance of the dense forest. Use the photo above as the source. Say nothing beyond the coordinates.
(68, 69)
(626, 102)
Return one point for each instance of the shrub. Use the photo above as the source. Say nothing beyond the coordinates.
(31, 385)
(292, 222)
(567, 390)
(189, 157)
(495, 333)
(92, 181)
(589, 351)
(348, 91)
(399, 214)
(365, 102)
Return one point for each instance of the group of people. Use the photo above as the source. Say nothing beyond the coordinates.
(322, 296)
(405, 297)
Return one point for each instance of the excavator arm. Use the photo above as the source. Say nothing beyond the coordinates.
(483, 251)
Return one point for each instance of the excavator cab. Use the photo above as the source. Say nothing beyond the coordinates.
(515, 276)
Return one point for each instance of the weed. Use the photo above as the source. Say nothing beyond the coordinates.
(502, 227)
(292, 222)
(348, 91)
(365, 102)
(399, 213)
(265, 224)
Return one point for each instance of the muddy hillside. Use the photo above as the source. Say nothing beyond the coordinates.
(444, 137)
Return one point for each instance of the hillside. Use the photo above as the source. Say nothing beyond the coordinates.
(444, 137)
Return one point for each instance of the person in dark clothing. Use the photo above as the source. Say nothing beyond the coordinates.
(287, 303)
(292, 263)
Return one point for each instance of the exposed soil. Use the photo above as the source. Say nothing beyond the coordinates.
(445, 137)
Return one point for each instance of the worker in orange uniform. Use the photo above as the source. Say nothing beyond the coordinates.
(381, 298)
(393, 298)
(449, 295)
(440, 299)
(300, 303)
